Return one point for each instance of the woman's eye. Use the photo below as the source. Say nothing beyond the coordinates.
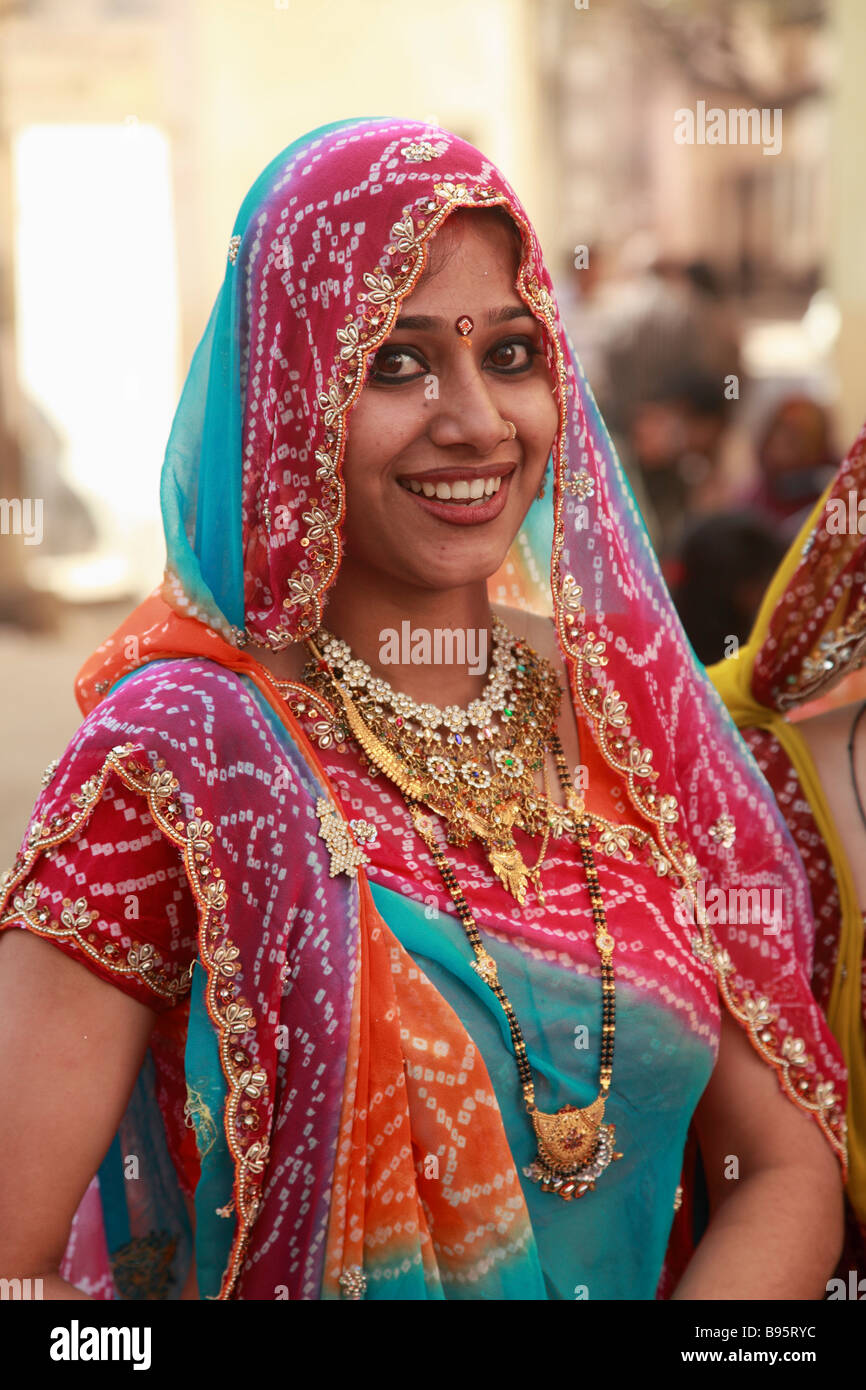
(514, 356)
(396, 364)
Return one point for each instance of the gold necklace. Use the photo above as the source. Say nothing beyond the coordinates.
(475, 768)
(574, 1145)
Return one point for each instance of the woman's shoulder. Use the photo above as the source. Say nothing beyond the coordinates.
(163, 685)
(164, 709)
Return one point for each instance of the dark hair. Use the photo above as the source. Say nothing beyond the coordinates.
(724, 560)
(697, 390)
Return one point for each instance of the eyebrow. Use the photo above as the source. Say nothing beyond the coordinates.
(428, 322)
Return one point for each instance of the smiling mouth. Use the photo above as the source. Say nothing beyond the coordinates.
(461, 491)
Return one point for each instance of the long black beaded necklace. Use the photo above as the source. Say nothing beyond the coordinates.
(574, 1145)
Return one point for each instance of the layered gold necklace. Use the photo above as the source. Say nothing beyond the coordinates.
(476, 770)
(475, 767)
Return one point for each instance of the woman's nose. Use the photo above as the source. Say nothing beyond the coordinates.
(465, 411)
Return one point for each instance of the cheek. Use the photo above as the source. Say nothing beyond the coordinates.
(542, 418)
(378, 432)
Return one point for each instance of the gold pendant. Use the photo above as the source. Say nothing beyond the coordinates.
(504, 857)
(574, 1149)
(509, 867)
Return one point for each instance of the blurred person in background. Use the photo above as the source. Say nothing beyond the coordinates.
(675, 440)
(796, 458)
(663, 319)
(667, 342)
(583, 291)
(724, 566)
(797, 691)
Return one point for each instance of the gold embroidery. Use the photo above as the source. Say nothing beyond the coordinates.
(141, 961)
(614, 837)
(840, 650)
(614, 840)
(724, 831)
(353, 1282)
(760, 1020)
(617, 838)
(197, 1116)
(627, 756)
(342, 839)
(234, 246)
(248, 1101)
(50, 771)
(419, 151)
(304, 704)
(582, 485)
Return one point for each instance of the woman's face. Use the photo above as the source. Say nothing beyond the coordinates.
(436, 487)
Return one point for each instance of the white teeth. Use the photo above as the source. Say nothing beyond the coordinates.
(461, 490)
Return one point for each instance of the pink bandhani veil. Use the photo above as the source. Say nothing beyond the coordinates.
(328, 243)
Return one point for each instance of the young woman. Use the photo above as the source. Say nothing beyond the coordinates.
(398, 980)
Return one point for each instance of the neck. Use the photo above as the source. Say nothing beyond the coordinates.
(432, 645)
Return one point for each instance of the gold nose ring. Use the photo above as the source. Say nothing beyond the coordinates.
(512, 429)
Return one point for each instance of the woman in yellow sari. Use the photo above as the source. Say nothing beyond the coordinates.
(797, 692)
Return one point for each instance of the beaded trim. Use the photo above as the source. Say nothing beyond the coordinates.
(304, 703)
(784, 1054)
(839, 652)
(610, 716)
(616, 839)
(142, 960)
(248, 1102)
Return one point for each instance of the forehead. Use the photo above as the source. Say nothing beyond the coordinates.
(474, 252)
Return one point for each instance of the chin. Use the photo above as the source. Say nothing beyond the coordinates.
(476, 570)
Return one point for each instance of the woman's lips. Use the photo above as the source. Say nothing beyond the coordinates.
(463, 511)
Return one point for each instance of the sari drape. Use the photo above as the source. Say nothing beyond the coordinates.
(311, 1140)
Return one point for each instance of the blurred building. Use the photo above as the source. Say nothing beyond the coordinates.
(622, 70)
(130, 132)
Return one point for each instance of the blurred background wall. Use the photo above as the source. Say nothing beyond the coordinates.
(715, 291)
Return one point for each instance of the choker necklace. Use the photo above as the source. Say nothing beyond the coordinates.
(574, 1146)
(475, 767)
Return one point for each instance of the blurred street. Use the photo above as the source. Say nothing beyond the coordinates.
(38, 713)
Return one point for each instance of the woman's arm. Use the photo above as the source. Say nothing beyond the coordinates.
(71, 1046)
(776, 1230)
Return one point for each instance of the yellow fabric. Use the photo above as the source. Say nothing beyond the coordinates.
(733, 680)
